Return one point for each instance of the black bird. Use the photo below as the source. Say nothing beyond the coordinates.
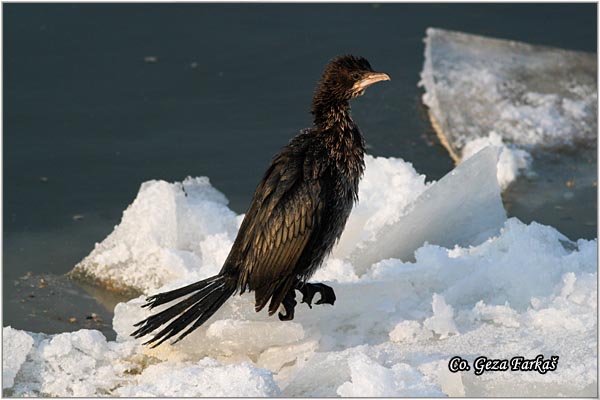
(298, 211)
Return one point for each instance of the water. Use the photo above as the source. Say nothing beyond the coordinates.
(100, 98)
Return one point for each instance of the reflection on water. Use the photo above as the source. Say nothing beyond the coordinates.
(100, 98)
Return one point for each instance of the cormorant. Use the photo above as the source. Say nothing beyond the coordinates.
(298, 211)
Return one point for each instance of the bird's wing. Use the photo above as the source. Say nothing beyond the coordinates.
(284, 214)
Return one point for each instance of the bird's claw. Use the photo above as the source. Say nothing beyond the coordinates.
(309, 290)
(289, 303)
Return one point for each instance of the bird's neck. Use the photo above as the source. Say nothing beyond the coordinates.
(331, 115)
(341, 137)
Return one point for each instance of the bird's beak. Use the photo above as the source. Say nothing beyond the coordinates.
(371, 78)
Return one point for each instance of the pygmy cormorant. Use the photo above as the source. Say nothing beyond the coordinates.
(297, 213)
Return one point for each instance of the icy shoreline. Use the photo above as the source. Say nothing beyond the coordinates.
(525, 290)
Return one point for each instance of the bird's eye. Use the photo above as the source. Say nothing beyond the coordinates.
(355, 75)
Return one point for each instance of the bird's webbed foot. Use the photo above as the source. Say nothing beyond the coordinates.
(289, 303)
(309, 290)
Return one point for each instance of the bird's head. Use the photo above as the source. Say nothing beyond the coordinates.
(346, 77)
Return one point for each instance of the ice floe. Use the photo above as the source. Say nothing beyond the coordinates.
(17, 345)
(519, 289)
(484, 91)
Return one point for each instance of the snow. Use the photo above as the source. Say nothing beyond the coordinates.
(371, 379)
(80, 364)
(441, 214)
(194, 229)
(84, 364)
(484, 91)
(387, 188)
(168, 231)
(501, 314)
(143, 253)
(511, 163)
(424, 271)
(205, 378)
(508, 289)
(19, 344)
(409, 332)
(442, 320)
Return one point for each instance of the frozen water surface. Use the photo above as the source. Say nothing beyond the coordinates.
(464, 207)
(180, 225)
(527, 95)
(482, 91)
(538, 103)
(519, 289)
(19, 344)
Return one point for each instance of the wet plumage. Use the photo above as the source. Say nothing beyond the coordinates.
(297, 213)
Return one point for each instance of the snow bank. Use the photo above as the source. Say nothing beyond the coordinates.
(184, 229)
(178, 229)
(84, 364)
(464, 207)
(519, 290)
(19, 344)
(511, 163)
(168, 231)
(205, 378)
(81, 364)
(371, 379)
(490, 91)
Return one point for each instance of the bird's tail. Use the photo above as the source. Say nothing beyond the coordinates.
(206, 298)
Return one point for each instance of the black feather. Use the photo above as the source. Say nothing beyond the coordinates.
(298, 211)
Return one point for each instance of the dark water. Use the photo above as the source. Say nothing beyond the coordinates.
(100, 98)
